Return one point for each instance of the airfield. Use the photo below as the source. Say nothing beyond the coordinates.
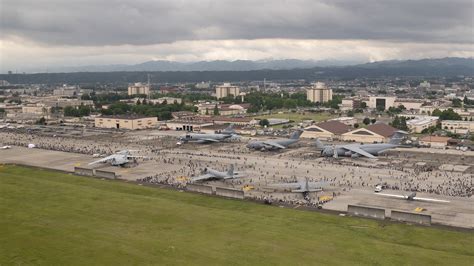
(433, 173)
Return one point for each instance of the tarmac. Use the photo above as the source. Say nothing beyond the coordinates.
(351, 181)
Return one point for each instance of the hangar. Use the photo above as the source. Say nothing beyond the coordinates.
(378, 132)
(326, 130)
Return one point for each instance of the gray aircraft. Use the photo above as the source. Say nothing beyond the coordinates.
(214, 174)
(227, 133)
(275, 144)
(357, 150)
(120, 158)
(302, 186)
(411, 197)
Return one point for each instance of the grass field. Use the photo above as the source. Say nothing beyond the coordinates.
(54, 218)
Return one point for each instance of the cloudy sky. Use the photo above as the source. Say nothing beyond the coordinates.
(42, 33)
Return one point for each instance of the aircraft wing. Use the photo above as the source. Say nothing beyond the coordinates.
(391, 195)
(103, 160)
(358, 150)
(430, 200)
(285, 185)
(202, 177)
(274, 144)
(317, 184)
(207, 140)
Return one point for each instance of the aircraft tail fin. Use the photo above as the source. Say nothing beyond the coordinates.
(229, 130)
(230, 172)
(296, 134)
(397, 137)
(319, 144)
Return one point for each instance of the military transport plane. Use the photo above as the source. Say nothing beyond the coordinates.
(411, 197)
(302, 186)
(227, 133)
(120, 158)
(214, 174)
(275, 144)
(357, 150)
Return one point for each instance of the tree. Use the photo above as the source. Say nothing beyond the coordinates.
(373, 120)
(363, 105)
(350, 113)
(456, 102)
(356, 125)
(216, 110)
(366, 121)
(264, 123)
(207, 111)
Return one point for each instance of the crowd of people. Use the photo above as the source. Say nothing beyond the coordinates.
(176, 165)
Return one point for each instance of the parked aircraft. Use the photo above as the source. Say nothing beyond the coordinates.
(214, 174)
(357, 150)
(302, 186)
(227, 133)
(5, 147)
(120, 158)
(411, 197)
(275, 144)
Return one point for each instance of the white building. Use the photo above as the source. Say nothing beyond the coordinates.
(457, 126)
(66, 91)
(319, 93)
(226, 90)
(381, 102)
(420, 123)
(346, 120)
(139, 88)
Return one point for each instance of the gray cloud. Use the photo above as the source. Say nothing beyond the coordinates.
(142, 22)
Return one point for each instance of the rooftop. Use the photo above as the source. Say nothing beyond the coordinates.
(335, 127)
(128, 117)
(382, 129)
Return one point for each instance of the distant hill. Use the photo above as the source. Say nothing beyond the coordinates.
(217, 65)
(445, 67)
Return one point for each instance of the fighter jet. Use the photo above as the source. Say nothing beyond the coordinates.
(411, 197)
(214, 174)
(120, 158)
(227, 133)
(5, 147)
(357, 150)
(275, 144)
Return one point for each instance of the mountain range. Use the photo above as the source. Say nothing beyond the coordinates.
(216, 65)
(424, 68)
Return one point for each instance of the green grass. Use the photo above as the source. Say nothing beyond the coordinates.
(53, 218)
(318, 117)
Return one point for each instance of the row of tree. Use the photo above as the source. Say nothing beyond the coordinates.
(162, 111)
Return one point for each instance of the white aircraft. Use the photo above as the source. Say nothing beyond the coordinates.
(120, 158)
(5, 147)
(31, 146)
(411, 197)
(214, 174)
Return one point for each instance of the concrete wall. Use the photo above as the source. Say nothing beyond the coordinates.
(368, 212)
(105, 174)
(83, 171)
(411, 217)
(230, 193)
(199, 188)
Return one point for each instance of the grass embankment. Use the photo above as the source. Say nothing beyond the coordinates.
(54, 218)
